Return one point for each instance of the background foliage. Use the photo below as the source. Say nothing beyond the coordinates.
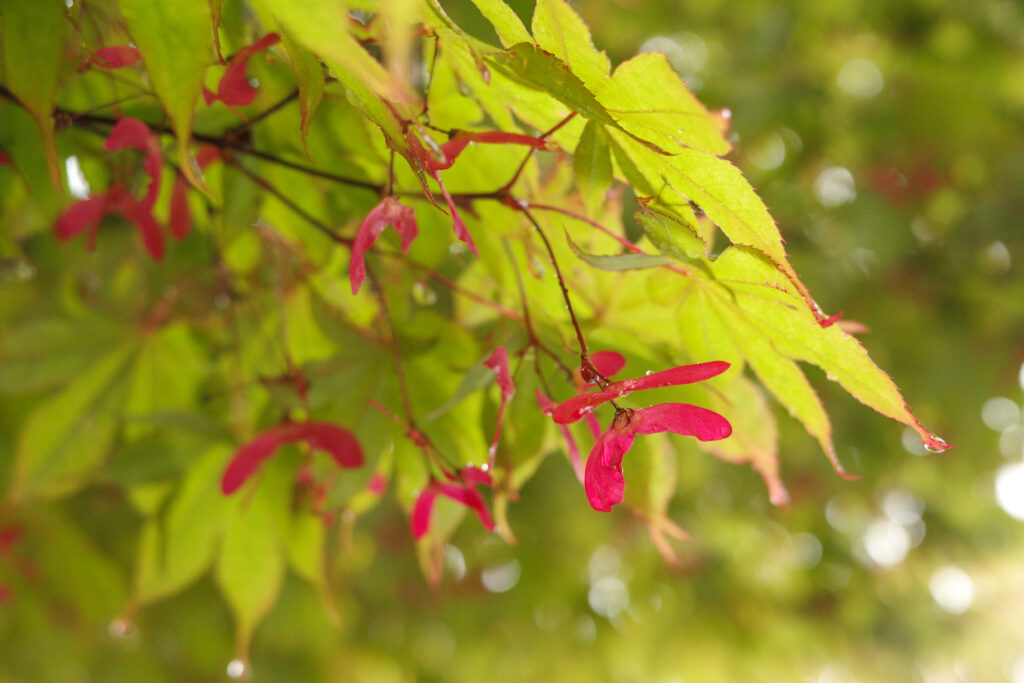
(886, 142)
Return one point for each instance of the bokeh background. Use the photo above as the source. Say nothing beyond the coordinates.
(888, 141)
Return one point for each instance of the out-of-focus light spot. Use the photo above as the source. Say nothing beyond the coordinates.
(923, 230)
(834, 673)
(238, 668)
(1011, 442)
(952, 588)
(995, 258)
(834, 186)
(501, 578)
(1010, 490)
(886, 543)
(911, 441)
(861, 78)
(551, 616)
(608, 596)
(455, 562)
(604, 562)
(768, 153)
(999, 413)
(1020, 376)
(686, 52)
(804, 551)
(902, 507)
(78, 186)
(586, 629)
(844, 514)
(1017, 670)
(434, 645)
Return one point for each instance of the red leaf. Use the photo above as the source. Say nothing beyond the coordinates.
(115, 57)
(234, 90)
(388, 212)
(339, 443)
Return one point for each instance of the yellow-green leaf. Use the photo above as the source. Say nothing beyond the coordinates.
(505, 21)
(175, 551)
(592, 163)
(69, 435)
(174, 38)
(560, 31)
(648, 98)
(309, 74)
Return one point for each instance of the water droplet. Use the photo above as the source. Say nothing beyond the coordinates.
(239, 669)
(649, 372)
(423, 294)
(485, 467)
(934, 444)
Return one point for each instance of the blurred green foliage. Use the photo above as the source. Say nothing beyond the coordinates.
(886, 139)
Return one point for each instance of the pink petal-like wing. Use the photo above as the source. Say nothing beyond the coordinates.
(474, 475)
(129, 132)
(498, 362)
(388, 212)
(576, 407)
(547, 406)
(457, 225)
(681, 418)
(608, 362)
(115, 56)
(251, 455)
(140, 214)
(83, 214)
(339, 443)
(603, 480)
(471, 498)
(234, 89)
(684, 374)
(421, 511)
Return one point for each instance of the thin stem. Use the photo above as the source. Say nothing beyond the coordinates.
(295, 208)
(584, 354)
(246, 125)
(594, 224)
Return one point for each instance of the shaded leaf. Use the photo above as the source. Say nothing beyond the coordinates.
(32, 41)
(174, 38)
(617, 262)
